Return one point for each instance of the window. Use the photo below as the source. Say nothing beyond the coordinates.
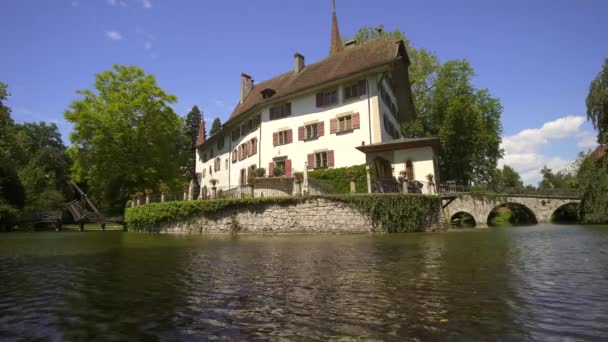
(355, 90)
(345, 123)
(220, 142)
(311, 132)
(205, 157)
(282, 138)
(216, 164)
(390, 128)
(280, 111)
(320, 159)
(236, 134)
(234, 156)
(386, 98)
(327, 98)
(254, 146)
(210, 171)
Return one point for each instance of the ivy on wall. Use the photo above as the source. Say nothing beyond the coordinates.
(396, 213)
(337, 180)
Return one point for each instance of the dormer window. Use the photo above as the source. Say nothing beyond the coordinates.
(268, 92)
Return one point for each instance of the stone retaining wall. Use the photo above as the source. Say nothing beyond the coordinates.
(314, 216)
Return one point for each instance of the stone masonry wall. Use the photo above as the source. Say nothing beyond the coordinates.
(314, 216)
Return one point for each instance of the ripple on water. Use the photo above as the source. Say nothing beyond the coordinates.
(526, 283)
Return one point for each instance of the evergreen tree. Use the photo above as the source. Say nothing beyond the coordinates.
(215, 126)
(191, 127)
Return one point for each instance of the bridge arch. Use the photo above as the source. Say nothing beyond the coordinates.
(480, 205)
(511, 213)
(463, 219)
(566, 213)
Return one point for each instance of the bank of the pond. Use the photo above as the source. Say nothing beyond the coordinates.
(357, 213)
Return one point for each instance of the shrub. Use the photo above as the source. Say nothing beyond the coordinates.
(278, 171)
(259, 172)
(337, 181)
(395, 212)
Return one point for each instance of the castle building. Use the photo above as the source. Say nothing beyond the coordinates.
(344, 110)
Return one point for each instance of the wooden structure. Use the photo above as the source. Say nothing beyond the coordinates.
(45, 217)
(84, 211)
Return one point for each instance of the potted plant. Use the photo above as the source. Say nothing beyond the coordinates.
(278, 171)
(298, 177)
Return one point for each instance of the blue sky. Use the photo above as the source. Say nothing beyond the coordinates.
(537, 57)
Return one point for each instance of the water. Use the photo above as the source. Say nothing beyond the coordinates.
(541, 282)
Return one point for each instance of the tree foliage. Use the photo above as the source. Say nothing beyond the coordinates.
(12, 195)
(563, 179)
(508, 178)
(126, 137)
(216, 125)
(593, 190)
(597, 104)
(191, 125)
(466, 119)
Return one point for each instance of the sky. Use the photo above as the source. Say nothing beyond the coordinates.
(538, 57)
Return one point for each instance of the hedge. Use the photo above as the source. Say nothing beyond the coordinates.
(337, 180)
(395, 212)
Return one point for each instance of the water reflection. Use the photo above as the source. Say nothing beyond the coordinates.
(501, 283)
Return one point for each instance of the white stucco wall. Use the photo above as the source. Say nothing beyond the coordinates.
(304, 111)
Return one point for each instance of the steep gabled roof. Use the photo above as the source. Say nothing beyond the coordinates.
(348, 62)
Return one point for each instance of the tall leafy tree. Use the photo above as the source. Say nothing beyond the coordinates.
(466, 119)
(509, 179)
(597, 103)
(126, 136)
(44, 168)
(216, 125)
(191, 125)
(12, 195)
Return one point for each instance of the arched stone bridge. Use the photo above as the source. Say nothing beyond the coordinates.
(480, 205)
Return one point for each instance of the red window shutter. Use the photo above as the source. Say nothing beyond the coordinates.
(333, 126)
(275, 139)
(362, 87)
(288, 168)
(311, 161)
(330, 158)
(289, 136)
(356, 121)
(319, 100)
(270, 168)
(255, 144)
(301, 133)
(321, 128)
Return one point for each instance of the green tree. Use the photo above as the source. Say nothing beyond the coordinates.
(597, 104)
(191, 125)
(44, 167)
(216, 125)
(466, 119)
(510, 179)
(563, 179)
(593, 189)
(124, 137)
(12, 195)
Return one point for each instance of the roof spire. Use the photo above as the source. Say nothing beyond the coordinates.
(336, 41)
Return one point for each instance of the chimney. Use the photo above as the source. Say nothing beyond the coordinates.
(246, 86)
(298, 62)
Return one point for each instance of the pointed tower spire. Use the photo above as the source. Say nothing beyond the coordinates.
(336, 41)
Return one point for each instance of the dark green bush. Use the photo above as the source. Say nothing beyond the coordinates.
(395, 212)
(337, 181)
(278, 171)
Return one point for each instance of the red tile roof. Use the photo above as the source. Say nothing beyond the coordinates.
(599, 152)
(348, 62)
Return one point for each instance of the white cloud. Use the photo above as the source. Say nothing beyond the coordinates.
(146, 3)
(114, 35)
(522, 149)
(588, 139)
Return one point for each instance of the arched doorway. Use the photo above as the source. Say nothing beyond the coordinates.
(567, 213)
(462, 219)
(511, 214)
(382, 168)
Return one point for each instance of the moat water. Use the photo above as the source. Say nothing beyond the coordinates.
(513, 283)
